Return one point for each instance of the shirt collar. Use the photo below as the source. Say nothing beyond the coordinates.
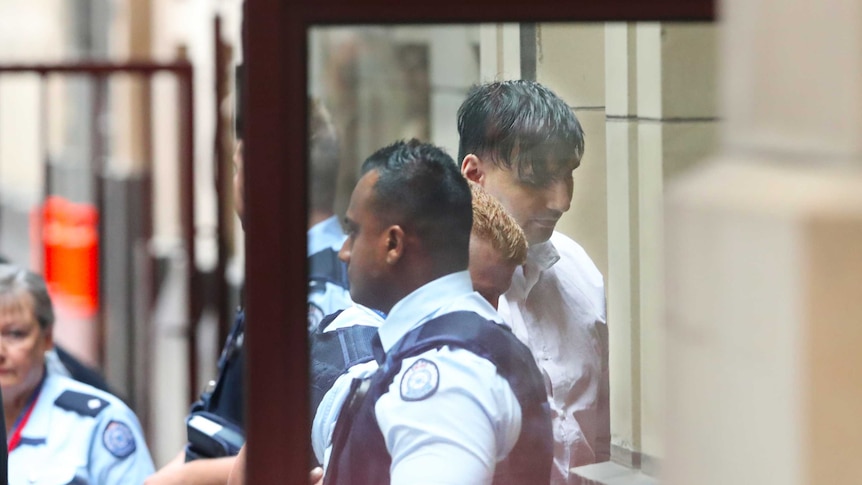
(325, 234)
(543, 255)
(427, 301)
(39, 423)
(540, 258)
(353, 315)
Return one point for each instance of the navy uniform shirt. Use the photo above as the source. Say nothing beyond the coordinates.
(79, 434)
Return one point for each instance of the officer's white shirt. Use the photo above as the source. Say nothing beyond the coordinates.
(459, 432)
(59, 445)
(326, 234)
(353, 315)
(556, 306)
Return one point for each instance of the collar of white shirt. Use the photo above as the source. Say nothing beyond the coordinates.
(453, 292)
(540, 257)
(353, 315)
(325, 234)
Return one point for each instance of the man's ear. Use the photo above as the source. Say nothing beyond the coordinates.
(394, 244)
(472, 168)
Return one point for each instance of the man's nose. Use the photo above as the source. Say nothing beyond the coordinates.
(344, 252)
(559, 196)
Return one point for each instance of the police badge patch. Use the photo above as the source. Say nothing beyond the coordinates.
(420, 380)
(118, 439)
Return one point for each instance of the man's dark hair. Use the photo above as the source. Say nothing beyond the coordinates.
(521, 124)
(420, 188)
(323, 156)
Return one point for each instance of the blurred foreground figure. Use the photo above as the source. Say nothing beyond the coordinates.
(59, 430)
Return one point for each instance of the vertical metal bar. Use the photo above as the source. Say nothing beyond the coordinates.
(142, 344)
(529, 49)
(97, 170)
(43, 135)
(47, 173)
(221, 183)
(187, 195)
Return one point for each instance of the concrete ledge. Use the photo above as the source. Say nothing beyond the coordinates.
(610, 473)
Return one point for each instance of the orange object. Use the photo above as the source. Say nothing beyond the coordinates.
(70, 244)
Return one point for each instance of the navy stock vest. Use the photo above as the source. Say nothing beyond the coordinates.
(225, 398)
(325, 267)
(332, 353)
(359, 455)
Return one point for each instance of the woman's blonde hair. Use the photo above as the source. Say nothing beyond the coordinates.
(15, 281)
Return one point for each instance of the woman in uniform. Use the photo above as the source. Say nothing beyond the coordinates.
(58, 430)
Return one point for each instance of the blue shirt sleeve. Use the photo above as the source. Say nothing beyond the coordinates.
(118, 452)
(454, 430)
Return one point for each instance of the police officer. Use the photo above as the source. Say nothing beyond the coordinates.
(456, 398)
(223, 399)
(497, 247)
(59, 430)
(327, 284)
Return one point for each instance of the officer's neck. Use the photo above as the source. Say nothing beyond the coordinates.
(14, 405)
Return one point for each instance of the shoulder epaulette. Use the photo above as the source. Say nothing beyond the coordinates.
(81, 403)
(324, 266)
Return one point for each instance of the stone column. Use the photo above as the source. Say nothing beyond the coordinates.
(660, 118)
(763, 259)
(499, 52)
(570, 61)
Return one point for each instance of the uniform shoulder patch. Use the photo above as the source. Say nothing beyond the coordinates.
(420, 381)
(119, 439)
(81, 403)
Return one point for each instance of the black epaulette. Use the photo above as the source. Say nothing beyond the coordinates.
(324, 267)
(83, 404)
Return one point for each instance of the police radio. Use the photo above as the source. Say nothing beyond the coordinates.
(210, 436)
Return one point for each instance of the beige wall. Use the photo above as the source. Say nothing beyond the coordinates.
(571, 62)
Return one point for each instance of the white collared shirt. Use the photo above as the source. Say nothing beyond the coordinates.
(456, 434)
(325, 234)
(329, 297)
(556, 306)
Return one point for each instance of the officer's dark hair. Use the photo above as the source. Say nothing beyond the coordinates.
(521, 124)
(15, 282)
(420, 188)
(323, 155)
